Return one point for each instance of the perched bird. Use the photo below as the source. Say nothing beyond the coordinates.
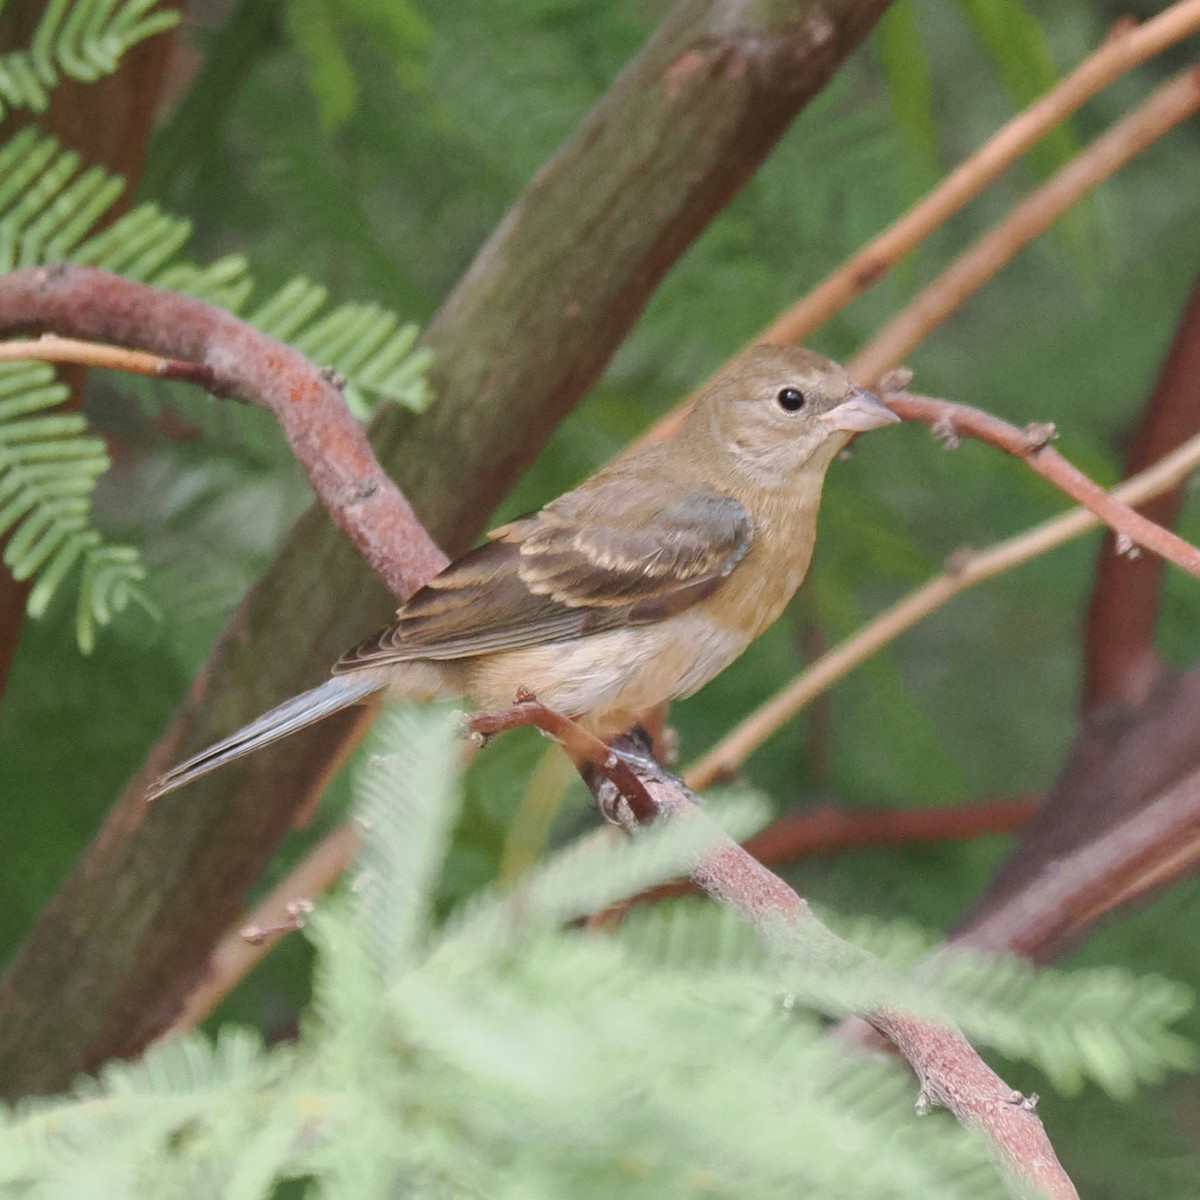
(638, 586)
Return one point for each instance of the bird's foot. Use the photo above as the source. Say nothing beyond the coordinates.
(613, 774)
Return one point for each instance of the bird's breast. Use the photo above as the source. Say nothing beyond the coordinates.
(761, 585)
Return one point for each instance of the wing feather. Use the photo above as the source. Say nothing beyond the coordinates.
(586, 563)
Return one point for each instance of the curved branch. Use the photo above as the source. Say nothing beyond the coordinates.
(235, 359)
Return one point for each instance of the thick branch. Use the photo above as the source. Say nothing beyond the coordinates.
(1119, 659)
(525, 333)
(1125, 822)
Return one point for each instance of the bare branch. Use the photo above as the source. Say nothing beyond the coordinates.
(1127, 46)
(236, 956)
(235, 359)
(1032, 444)
(1165, 108)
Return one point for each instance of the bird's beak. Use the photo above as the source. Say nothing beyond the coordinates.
(864, 410)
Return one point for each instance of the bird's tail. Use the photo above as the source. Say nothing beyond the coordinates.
(322, 701)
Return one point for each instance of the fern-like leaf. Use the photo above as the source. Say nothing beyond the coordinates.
(80, 39)
(48, 469)
(49, 204)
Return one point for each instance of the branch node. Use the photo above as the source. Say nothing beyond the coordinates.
(945, 431)
(335, 378)
(298, 911)
(189, 372)
(895, 380)
(1126, 547)
(1038, 435)
(957, 561)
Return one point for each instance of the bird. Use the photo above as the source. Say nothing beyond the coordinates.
(634, 588)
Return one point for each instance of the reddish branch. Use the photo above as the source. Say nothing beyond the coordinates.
(235, 359)
(951, 1074)
(1151, 848)
(1119, 659)
(1123, 765)
(950, 421)
(831, 829)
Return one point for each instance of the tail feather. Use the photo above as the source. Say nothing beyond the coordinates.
(334, 694)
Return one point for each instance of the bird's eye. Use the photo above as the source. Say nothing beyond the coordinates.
(791, 399)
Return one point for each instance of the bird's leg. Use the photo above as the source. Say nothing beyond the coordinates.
(620, 793)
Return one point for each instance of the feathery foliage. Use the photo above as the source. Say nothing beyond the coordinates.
(49, 205)
(79, 39)
(48, 468)
(441, 1058)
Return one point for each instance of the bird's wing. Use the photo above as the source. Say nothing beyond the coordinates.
(591, 561)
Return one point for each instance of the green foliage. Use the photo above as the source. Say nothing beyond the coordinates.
(1019, 52)
(80, 39)
(318, 29)
(498, 1050)
(909, 79)
(48, 467)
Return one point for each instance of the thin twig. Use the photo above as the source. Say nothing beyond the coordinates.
(190, 338)
(969, 569)
(1032, 445)
(51, 348)
(1124, 49)
(1165, 108)
(237, 955)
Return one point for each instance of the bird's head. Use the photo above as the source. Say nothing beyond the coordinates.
(782, 411)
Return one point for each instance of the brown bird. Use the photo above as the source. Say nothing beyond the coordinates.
(636, 587)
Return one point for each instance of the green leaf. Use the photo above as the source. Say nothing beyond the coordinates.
(1014, 38)
(909, 80)
(80, 39)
